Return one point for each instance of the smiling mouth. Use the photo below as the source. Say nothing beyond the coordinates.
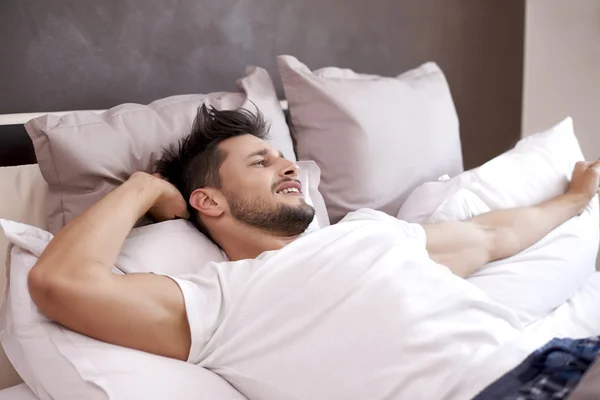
(289, 187)
(289, 191)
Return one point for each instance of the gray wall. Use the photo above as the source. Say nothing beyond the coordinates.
(562, 70)
(72, 54)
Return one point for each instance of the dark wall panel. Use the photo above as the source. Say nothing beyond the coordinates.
(73, 54)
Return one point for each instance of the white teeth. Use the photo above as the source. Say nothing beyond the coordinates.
(288, 190)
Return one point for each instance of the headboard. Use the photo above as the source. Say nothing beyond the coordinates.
(70, 54)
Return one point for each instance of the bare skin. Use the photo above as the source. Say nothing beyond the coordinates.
(464, 247)
(72, 282)
(246, 174)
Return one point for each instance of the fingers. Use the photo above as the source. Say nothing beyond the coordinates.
(580, 167)
(584, 165)
(596, 167)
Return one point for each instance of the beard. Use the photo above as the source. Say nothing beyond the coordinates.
(279, 219)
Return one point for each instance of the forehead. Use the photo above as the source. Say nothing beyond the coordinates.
(240, 147)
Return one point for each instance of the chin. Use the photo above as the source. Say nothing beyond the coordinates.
(293, 200)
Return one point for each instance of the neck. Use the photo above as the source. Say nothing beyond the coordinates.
(243, 242)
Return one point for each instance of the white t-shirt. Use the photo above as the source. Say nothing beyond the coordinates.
(356, 310)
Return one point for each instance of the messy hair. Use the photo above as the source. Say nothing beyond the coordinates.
(194, 161)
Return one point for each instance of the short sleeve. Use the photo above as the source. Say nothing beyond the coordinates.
(208, 294)
(193, 300)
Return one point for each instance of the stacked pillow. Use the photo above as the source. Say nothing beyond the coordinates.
(375, 138)
(85, 155)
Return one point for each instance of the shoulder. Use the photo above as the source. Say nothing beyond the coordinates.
(412, 230)
(366, 214)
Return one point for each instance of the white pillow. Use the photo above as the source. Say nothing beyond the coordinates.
(538, 168)
(57, 363)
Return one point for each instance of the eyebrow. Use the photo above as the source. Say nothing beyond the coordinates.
(263, 153)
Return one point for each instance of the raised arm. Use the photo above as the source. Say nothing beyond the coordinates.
(466, 246)
(72, 281)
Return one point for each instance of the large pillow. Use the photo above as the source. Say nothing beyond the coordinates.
(538, 168)
(23, 194)
(374, 138)
(84, 155)
(57, 363)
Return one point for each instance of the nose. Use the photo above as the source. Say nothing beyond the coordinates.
(289, 169)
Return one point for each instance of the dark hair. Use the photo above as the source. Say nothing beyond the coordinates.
(194, 161)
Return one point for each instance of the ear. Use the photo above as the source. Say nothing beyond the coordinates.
(207, 201)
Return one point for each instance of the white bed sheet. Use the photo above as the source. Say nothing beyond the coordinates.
(579, 317)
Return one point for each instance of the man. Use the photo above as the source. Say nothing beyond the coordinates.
(246, 197)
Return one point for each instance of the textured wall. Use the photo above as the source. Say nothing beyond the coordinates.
(70, 54)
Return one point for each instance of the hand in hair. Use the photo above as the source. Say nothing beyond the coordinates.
(170, 204)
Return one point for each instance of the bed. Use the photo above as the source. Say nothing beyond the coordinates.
(578, 317)
(72, 62)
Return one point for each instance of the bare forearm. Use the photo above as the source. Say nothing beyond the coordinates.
(96, 236)
(466, 246)
(519, 228)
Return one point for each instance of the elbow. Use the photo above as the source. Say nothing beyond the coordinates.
(53, 290)
(40, 286)
(47, 289)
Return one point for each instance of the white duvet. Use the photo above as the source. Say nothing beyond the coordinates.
(354, 311)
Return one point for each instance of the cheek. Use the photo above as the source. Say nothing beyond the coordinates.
(260, 184)
(252, 185)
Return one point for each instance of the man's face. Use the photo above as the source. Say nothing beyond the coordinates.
(262, 188)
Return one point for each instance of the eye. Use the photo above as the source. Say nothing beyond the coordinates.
(260, 163)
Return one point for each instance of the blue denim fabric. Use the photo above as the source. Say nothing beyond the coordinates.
(551, 372)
